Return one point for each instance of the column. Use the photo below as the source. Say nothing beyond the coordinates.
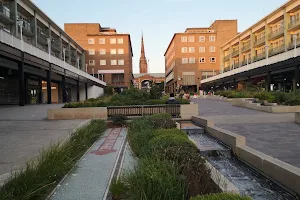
(21, 84)
(34, 22)
(297, 78)
(61, 56)
(287, 35)
(86, 91)
(49, 32)
(64, 87)
(268, 81)
(49, 85)
(69, 52)
(83, 62)
(252, 54)
(77, 83)
(14, 16)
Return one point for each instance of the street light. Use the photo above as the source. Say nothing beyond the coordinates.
(295, 45)
(21, 22)
(49, 48)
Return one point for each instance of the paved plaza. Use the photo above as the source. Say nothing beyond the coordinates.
(274, 134)
(25, 130)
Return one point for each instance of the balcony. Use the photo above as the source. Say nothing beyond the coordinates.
(295, 24)
(5, 14)
(73, 56)
(42, 38)
(226, 58)
(26, 29)
(260, 56)
(55, 46)
(246, 47)
(276, 50)
(235, 53)
(245, 62)
(226, 69)
(259, 42)
(276, 34)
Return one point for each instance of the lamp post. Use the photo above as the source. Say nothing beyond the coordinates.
(295, 45)
(49, 48)
(21, 22)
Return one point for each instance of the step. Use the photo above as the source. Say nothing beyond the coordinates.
(193, 130)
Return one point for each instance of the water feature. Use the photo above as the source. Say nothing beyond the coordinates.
(247, 180)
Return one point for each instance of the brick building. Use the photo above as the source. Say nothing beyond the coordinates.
(108, 53)
(195, 55)
(143, 79)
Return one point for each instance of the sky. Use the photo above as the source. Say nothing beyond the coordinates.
(157, 19)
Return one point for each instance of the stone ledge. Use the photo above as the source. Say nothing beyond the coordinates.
(297, 117)
(270, 109)
(205, 122)
(283, 173)
(77, 113)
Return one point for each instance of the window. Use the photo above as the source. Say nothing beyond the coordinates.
(183, 49)
(212, 49)
(113, 62)
(201, 38)
(212, 38)
(91, 62)
(113, 51)
(91, 51)
(212, 59)
(191, 38)
(113, 40)
(192, 60)
(202, 60)
(91, 41)
(102, 51)
(120, 51)
(183, 39)
(101, 40)
(120, 40)
(201, 49)
(185, 60)
(192, 49)
(121, 62)
(102, 62)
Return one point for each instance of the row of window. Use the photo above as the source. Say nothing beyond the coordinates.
(212, 38)
(201, 60)
(103, 62)
(111, 41)
(201, 49)
(103, 51)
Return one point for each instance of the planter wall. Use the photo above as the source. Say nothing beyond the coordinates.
(297, 117)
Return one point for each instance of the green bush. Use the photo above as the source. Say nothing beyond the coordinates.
(118, 189)
(162, 120)
(108, 90)
(154, 179)
(221, 196)
(174, 131)
(265, 96)
(119, 119)
(41, 176)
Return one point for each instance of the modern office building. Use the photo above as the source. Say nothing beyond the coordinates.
(108, 53)
(266, 54)
(194, 54)
(39, 62)
(144, 78)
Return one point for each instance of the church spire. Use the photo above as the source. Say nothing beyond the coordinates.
(143, 61)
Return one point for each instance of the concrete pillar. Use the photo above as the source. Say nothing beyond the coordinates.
(287, 35)
(49, 33)
(49, 85)
(61, 56)
(64, 93)
(14, 15)
(34, 28)
(21, 83)
(252, 39)
(86, 91)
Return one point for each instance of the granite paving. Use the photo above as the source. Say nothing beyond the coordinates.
(274, 134)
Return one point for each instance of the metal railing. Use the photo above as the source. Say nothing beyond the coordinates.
(260, 56)
(42, 38)
(5, 11)
(235, 53)
(227, 57)
(276, 33)
(260, 41)
(294, 23)
(246, 47)
(55, 45)
(276, 50)
(142, 110)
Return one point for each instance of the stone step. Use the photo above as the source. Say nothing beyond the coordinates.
(193, 130)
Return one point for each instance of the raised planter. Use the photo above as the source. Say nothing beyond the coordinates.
(283, 173)
(185, 111)
(218, 98)
(265, 108)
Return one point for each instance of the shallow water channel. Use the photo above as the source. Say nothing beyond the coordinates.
(247, 180)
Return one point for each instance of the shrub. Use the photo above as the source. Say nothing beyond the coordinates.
(40, 177)
(155, 92)
(221, 196)
(119, 119)
(118, 189)
(108, 90)
(293, 100)
(174, 131)
(264, 96)
(162, 120)
(154, 179)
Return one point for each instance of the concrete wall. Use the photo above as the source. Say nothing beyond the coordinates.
(189, 110)
(82, 92)
(95, 91)
(73, 94)
(297, 117)
(77, 113)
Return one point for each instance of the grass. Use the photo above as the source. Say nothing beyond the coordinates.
(40, 176)
(221, 196)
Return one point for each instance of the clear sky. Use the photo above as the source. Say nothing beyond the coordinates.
(158, 19)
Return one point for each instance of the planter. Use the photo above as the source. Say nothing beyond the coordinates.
(297, 117)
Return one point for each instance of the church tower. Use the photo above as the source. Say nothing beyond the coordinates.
(143, 61)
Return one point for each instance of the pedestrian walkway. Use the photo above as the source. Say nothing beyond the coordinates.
(274, 134)
(89, 180)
